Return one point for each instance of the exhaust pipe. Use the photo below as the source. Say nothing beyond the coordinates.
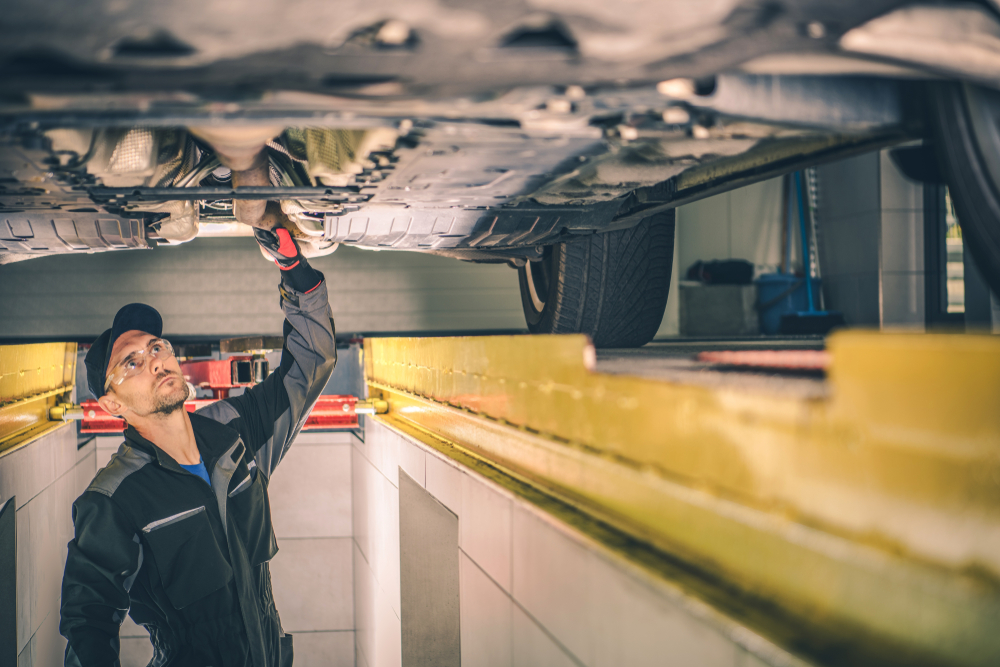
(241, 149)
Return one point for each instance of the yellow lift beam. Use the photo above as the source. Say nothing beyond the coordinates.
(862, 527)
(33, 380)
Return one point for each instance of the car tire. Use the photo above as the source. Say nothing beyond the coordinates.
(611, 286)
(966, 125)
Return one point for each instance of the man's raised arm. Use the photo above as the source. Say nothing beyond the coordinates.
(270, 415)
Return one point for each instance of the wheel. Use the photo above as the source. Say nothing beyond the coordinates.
(966, 125)
(612, 286)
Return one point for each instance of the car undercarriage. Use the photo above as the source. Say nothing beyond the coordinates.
(490, 134)
(522, 171)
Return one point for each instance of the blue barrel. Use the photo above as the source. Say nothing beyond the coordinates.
(781, 293)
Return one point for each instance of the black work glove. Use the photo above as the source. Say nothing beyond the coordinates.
(295, 270)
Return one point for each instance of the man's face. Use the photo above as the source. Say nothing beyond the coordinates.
(158, 389)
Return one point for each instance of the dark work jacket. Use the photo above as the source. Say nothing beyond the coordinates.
(189, 561)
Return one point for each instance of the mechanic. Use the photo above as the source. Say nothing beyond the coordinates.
(176, 530)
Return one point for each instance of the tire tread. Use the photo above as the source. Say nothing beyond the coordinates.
(612, 286)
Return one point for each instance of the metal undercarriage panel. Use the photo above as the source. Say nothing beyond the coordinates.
(515, 124)
(486, 187)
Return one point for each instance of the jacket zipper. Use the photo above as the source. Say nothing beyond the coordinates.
(160, 523)
(246, 480)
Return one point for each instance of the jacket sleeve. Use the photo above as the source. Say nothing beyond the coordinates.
(270, 415)
(104, 557)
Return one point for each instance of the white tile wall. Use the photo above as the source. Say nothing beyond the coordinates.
(375, 478)
(549, 580)
(135, 651)
(47, 554)
(46, 476)
(902, 248)
(26, 471)
(485, 528)
(361, 480)
(380, 447)
(324, 649)
(444, 481)
(376, 510)
(47, 646)
(903, 240)
(365, 623)
(38, 543)
(633, 625)
(107, 445)
(744, 224)
(755, 223)
(903, 301)
(871, 242)
(412, 461)
(533, 647)
(312, 574)
(533, 592)
(310, 492)
(323, 438)
(895, 190)
(377, 624)
(130, 629)
(311, 579)
(359, 657)
(486, 618)
(24, 598)
(86, 471)
(26, 658)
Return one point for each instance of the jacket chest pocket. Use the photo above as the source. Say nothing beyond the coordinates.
(251, 513)
(188, 558)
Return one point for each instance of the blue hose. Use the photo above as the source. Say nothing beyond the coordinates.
(805, 240)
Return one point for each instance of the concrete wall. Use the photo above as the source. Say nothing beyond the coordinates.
(532, 590)
(45, 476)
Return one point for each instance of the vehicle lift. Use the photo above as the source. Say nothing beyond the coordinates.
(860, 516)
(220, 376)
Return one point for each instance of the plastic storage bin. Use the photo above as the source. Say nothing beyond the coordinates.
(781, 293)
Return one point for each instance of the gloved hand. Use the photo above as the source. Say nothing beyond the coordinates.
(295, 270)
(279, 244)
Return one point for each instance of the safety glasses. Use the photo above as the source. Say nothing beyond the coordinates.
(135, 363)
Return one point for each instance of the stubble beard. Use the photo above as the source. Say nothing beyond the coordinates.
(170, 403)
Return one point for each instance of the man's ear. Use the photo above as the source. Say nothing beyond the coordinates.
(112, 405)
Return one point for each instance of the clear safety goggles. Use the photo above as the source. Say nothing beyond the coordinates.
(135, 363)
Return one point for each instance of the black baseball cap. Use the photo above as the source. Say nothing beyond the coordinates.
(134, 316)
